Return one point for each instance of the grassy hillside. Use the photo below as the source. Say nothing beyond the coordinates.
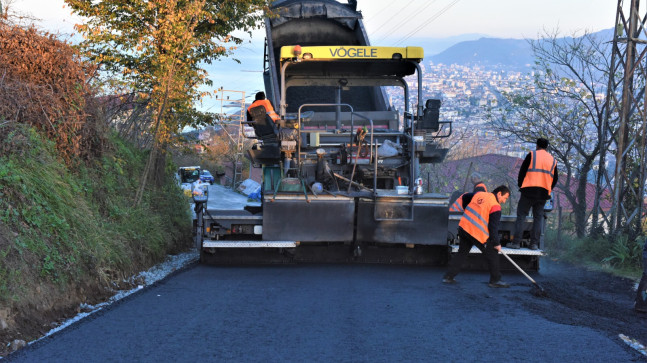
(70, 236)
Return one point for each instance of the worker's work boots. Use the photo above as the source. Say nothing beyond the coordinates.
(498, 284)
(513, 245)
(448, 280)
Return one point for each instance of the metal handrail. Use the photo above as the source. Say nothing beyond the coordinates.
(352, 129)
(450, 130)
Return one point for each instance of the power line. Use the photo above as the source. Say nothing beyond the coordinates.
(434, 17)
(380, 12)
(406, 19)
(397, 13)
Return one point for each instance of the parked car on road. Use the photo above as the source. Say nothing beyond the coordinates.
(206, 177)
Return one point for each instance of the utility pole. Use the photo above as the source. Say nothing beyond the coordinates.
(233, 99)
(624, 122)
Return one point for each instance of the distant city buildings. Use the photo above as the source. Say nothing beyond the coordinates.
(470, 94)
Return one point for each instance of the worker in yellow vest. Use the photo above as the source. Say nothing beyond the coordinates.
(479, 227)
(259, 100)
(536, 180)
(479, 186)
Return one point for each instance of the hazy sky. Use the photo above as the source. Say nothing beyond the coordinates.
(389, 22)
(497, 18)
(392, 21)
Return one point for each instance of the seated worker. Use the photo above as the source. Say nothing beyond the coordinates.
(479, 186)
(261, 101)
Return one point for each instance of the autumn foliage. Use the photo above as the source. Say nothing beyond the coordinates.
(45, 84)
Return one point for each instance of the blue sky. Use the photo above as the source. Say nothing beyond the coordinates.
(390, 22)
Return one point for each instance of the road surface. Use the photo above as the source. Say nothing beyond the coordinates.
(358, 313)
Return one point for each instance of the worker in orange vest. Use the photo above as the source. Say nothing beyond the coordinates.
(479, 186)
(261, 101)
(479, 227)
(537, 178)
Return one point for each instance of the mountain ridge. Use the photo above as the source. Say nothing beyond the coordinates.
(508, 53)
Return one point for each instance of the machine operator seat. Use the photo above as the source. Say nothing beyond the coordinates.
(264, 127)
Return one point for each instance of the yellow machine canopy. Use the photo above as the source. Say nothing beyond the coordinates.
(357, 61)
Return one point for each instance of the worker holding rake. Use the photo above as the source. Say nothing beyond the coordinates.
(479, 227)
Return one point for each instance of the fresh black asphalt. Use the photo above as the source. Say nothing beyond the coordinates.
(329, 313)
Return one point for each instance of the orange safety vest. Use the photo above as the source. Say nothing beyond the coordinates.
(268, 108)
(457, 206)
(481, 185)
(540, 171)
(476, 217)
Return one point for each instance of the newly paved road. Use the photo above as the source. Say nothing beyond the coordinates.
(329, 313)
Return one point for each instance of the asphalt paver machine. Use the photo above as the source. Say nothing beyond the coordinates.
(341, 167)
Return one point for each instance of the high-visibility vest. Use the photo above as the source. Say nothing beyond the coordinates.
(477, 216)
(268, 108)
(457, 206)
(540, 171)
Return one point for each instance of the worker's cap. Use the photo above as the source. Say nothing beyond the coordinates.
(476, 178)
(542, 143)
(259, 96)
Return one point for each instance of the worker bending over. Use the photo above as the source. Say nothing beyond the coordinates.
(479, 227)
(536, 180)
(479, 186)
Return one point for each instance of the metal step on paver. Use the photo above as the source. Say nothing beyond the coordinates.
(508, 251)
(248, 244)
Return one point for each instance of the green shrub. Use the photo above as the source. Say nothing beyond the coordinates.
(60, 226)
(617, 254)
(626, 253)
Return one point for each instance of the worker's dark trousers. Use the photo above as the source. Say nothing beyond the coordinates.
(523, 208)
(464, 247)
(641, 296)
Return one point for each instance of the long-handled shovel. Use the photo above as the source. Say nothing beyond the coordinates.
(538, 290)
(361, 134)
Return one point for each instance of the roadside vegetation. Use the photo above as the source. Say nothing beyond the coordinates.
(87, 132)
(63, 227)
(619, 255)
(69, 233)
(160, 58)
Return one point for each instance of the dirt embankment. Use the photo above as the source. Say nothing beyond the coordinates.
(47, 308)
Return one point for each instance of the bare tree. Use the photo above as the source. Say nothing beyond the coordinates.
(10, 15)
(564, 104)
(467, 142)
